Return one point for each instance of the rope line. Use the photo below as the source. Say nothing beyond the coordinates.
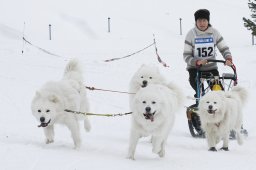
(93, 88)
(129, 55)
(158, 57)
(95, 114)
(236, 79)
(45, 51)
(108, 60)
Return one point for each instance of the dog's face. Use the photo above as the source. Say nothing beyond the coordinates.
(147, 105)
(212, 106)
(147, 75)
(44, 108)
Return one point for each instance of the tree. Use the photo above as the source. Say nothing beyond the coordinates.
(249, 24)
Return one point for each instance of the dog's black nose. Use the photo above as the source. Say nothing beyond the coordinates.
(147, 109)
(144, 82)
(210, 107)
(42, 119)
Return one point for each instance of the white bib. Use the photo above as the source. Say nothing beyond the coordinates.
(204, 47)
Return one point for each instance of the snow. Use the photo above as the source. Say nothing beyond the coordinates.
(79, 29)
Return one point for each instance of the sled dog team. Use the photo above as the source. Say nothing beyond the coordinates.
(154, 103)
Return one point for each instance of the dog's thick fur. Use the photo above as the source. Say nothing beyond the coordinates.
(54, 97)
(149, 74)
(146, 74)
(221, 112)
(153, 113)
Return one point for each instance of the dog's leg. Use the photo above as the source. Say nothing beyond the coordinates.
(211, 139)
(238, 126)
(87, 124)
(162, 152)
(134, 138)
(84, 107)
(225, 141)
(74, 128)
(158, 144)
(49, 134)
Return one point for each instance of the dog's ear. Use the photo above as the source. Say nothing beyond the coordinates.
(53, 98)
(38, 94)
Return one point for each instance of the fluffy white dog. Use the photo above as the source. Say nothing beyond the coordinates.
(54, 97)
(153, 110)
(145, 75)
(221, 112)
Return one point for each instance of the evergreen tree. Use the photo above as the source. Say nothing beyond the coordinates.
(249, 24)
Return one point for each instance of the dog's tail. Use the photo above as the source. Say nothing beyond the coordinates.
(73, 71)
(239, 93)
(179, 94)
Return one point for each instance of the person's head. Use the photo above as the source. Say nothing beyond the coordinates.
(202, 18)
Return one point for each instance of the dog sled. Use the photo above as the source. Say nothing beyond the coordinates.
(206, 82)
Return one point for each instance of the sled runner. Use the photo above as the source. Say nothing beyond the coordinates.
(206, 82)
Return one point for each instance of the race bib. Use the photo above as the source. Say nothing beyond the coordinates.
(204, 47)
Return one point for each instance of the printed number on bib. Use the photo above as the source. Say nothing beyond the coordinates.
(204, 47)
(205, 51)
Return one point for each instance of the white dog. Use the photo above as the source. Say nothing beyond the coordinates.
(145, 75)
(153, 114)
(221, 112)
(54, 97)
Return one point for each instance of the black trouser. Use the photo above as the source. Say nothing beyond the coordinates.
(193, 73)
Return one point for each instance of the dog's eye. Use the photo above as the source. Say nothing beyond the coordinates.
(207, 102)
(215, 102)
(47, 111)
(144, 102)
(39, 111)
(153, 102)
(142, 77)
(150, 77)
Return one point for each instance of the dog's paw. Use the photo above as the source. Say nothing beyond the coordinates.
(77, 148)
(224, 148)
(77, 145)
(212, 149)
(156, 150)
(131, 157)
(48, 141)
(161, 153)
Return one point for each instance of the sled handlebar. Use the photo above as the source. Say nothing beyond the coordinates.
(233, 67)
(222, 61)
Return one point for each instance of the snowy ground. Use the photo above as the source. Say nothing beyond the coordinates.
(79, 29)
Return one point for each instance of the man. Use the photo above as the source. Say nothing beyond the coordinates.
(200, 46)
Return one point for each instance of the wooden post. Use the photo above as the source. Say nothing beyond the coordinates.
(252, 39)
(180, 26)
(50, 32)
(108, 24)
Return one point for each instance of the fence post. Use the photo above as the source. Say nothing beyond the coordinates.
(252, 39)
(108, 24)
(180, 26)
(50, 31)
